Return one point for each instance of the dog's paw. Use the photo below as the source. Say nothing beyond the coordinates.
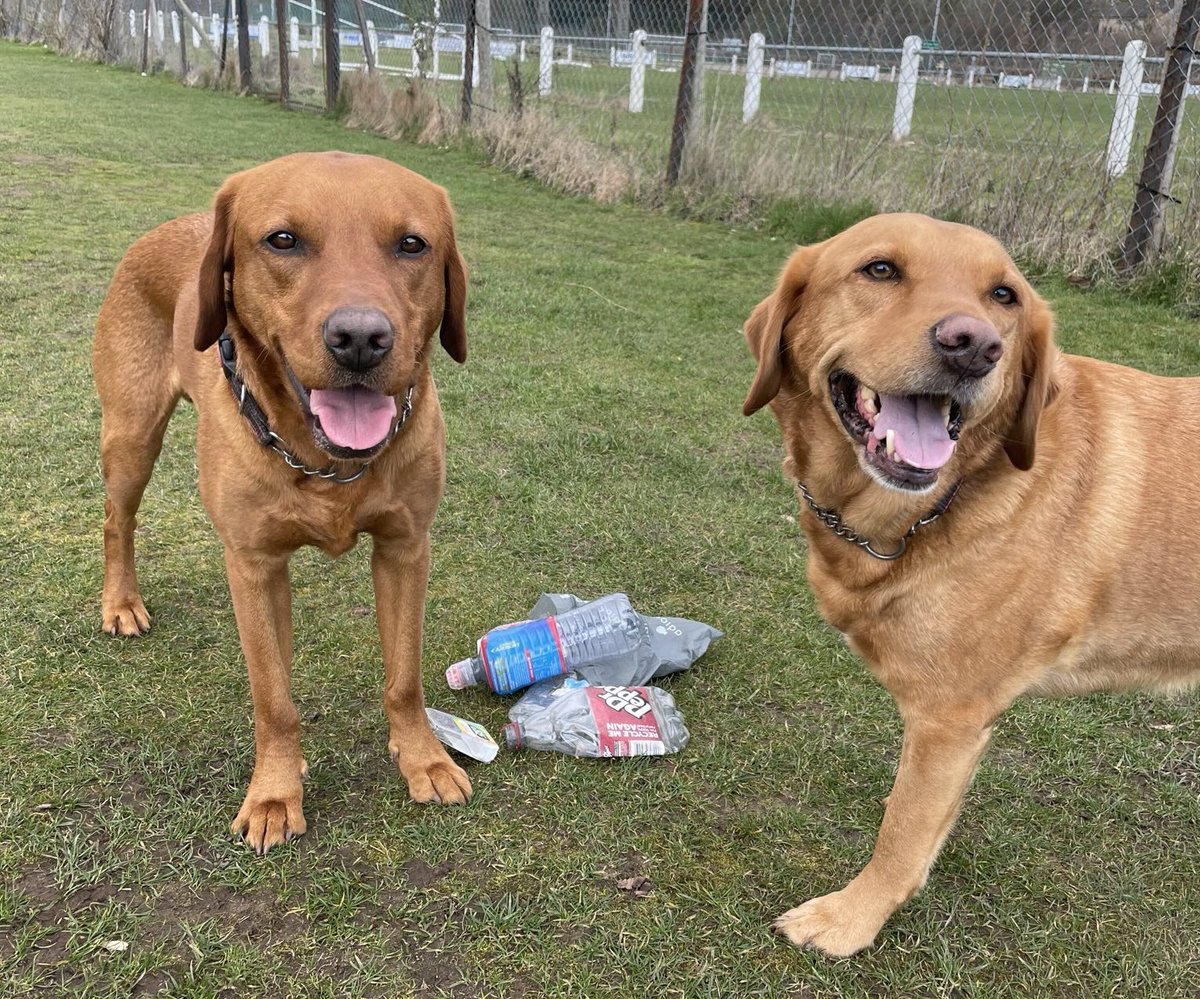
(435, 778)
(832, 923)
(272, 813)
(125, 618)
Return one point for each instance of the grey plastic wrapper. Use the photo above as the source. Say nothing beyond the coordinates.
(669, 645)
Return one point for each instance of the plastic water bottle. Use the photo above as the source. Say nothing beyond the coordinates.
(515, 655)
(602, 722)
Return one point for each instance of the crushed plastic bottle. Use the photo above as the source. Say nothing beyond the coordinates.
(570, 716)
(515, 655)
(644, 647)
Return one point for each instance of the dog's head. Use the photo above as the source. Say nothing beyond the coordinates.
(908, 341)
(339, 268)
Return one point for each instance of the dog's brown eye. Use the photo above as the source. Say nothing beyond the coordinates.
(412, 244)
(881, 270)
(282, 240)
(1004, 295)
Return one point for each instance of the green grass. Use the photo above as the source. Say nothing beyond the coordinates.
(595, 442)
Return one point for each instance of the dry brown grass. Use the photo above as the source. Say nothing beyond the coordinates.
(535, 144)
(530, 143)
(399, 109)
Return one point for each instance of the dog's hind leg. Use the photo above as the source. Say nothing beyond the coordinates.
(127, 456)
(138, 387)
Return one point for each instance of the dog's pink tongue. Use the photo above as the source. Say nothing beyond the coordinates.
(355, 417)
(921, 439)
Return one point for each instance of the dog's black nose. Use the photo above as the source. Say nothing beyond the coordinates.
(968, 346)
(358, 338)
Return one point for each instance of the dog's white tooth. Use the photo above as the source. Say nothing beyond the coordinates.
(870, 407)
(946, 412)
(890, 439)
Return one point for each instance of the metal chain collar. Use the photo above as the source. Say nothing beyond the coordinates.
(831, 520)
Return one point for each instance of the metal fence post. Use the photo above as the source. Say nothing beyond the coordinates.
(546, 62)
(637, 72)
(1120, 136)
(754, 75)
(1153, 190)
(906, 88)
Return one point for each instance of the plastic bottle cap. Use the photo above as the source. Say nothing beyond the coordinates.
(461, 675)
(512, 735)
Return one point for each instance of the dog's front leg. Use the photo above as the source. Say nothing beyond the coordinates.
(400, 570)
(937, 762)
(262, 601)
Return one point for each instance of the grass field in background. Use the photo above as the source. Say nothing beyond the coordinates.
(595, 443)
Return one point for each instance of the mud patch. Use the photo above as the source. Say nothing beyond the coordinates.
(251, 916)
(420, 874)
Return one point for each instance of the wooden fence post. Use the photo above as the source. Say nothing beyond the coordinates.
(546, 62)
(333, 54)
(245, 80)
(282, 30)
(1145, 236)
(1120, 136)
(637, 73)
(906, 89)
(684, 102)
(754, 74)
(468, 61)
(368, 53)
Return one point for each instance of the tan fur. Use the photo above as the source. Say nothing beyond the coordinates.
(1066, 564)
(174, 291)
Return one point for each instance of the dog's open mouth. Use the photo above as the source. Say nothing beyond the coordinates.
(906, 438)
(350, 422)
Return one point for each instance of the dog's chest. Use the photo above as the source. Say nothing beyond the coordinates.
(329, 517)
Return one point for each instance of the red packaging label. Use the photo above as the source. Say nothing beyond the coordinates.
(625, 722)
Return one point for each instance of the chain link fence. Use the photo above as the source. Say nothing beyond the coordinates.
(1030, 119)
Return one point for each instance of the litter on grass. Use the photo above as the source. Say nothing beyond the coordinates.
(604, 641)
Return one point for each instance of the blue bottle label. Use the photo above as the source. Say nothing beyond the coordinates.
(516, 655)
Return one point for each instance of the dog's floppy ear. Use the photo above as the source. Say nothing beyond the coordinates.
(218, 260)
(1037, 375)
(764, 329)
(454, 317)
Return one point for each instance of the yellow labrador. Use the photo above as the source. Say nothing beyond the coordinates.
(986, 516)
(298, 317)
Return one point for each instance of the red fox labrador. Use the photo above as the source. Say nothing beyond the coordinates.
(986, 517)
(297, 317)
